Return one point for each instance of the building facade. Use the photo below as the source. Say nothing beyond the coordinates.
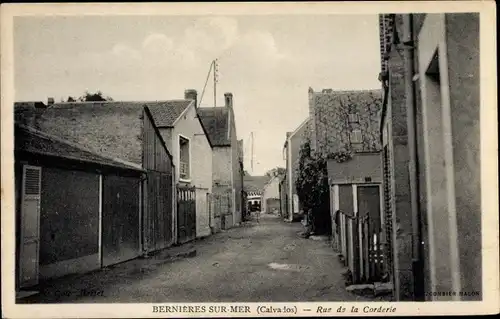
(220, 124)
(124, 131)
(186, 137)
(271, 195)
(292, 147)
(63, 189)
(431, 145)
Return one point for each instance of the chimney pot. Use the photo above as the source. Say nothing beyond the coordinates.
(191, 94)
(50, 101)
(228, 98)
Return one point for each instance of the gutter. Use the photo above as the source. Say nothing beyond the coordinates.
(417, 247)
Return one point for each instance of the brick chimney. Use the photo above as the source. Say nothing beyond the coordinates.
(50, 101)
(228, 99)
(191, 94)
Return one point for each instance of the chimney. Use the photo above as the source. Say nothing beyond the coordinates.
(228, 99)
(191, 94)
(50, 101)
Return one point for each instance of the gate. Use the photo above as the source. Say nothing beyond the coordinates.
(372, 252)
(202, 213)
(220, 207)
(186, 214)
(158, 232)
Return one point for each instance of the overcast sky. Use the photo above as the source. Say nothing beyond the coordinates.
(267, 62)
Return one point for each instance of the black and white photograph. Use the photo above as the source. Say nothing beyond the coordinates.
(219, 161)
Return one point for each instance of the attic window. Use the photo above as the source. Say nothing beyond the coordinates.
(356, 137)
(353, 118)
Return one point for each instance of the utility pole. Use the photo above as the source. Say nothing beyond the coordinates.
(216, 78)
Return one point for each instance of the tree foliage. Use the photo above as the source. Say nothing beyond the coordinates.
(312, 188)
(97, 96)
(277, 171)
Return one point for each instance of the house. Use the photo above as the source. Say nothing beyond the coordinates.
(291, 150)
(430, 132)
(271, 195)
(76, 210)
(254, 188)
(227, 167)
(185, 136)
(124, 131)
(343, 130)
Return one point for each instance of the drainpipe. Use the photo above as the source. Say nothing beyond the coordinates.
(408, 42)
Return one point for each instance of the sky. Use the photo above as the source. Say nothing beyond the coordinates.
(268, 62)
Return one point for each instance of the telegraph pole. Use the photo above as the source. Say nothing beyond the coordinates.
(216, 78)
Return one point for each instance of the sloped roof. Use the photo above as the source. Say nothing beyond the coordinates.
(112, 129)
(254, 183)
(216, 122)
(165, 113)
(36, 142)
(331, 128)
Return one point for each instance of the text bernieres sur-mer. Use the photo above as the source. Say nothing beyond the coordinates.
(198, 309)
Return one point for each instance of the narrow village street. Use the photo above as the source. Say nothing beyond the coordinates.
(265, 261)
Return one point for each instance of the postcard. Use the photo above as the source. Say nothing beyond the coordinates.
(249, 159)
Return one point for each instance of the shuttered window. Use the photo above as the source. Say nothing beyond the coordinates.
(353, 118)
(32, 181)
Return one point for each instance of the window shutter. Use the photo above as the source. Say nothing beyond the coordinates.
(30, 226)
(32, 180)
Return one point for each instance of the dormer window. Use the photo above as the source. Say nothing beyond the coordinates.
(353, 118)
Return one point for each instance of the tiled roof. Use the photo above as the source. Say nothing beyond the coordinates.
(216, 122)
(36, 142)
(331, 127)
(254, 194)
(254, 183)
(167, 112)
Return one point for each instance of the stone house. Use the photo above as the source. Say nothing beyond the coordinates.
(187, 139)
(291, 150)
(227, 161)
(430, 132)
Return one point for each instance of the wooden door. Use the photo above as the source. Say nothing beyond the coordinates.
(30, 226)
(368, 197)
(186, 214)
(120, 219)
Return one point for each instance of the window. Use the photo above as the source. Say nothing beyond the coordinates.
(356, 137)
(353, 118)
(184, 159)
